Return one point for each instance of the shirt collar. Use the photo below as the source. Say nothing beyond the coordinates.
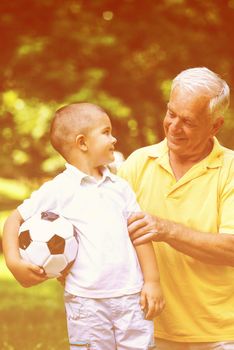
(81, 176)
(158, 150)
(213, 160)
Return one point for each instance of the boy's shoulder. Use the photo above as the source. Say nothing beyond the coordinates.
(57, 183)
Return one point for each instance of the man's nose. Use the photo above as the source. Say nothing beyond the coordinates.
(176, 124)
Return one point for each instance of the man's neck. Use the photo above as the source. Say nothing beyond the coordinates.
(180, 164)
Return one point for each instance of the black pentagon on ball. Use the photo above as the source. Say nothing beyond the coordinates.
(24, 239)
(49, 216)
(56, 245)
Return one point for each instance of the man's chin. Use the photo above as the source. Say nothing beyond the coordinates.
(175, 143)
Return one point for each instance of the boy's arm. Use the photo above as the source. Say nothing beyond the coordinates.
(26, 274)
(152, 301)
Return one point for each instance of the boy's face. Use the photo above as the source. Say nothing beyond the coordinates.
(100, 141)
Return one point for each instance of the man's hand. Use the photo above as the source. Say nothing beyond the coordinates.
(142, 228)
(27, 274)
(152, 300)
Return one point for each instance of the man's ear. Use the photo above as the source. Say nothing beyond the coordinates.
(81, 142)
(218, 123)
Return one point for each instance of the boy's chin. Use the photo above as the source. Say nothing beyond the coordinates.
(111, 160)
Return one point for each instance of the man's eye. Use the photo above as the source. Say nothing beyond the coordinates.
(188, 123)
(171, 115)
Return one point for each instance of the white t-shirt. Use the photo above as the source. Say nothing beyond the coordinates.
(107, 264)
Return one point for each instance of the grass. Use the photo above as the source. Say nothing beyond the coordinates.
(33, 318)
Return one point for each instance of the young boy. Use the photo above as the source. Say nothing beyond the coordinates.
(110, 294)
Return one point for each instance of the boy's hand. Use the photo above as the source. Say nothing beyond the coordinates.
(27, 274)
(62, 279)
(152, 300)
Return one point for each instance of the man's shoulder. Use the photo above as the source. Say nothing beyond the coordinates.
(228, 153)
(227, 168)
(152, 151)
(228, 158)
(119, 181)
(134, 167)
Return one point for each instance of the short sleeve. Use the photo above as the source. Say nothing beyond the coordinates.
(41, 200)
(131, 204)
(226, 208)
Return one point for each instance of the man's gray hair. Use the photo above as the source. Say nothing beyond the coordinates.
(202, 78)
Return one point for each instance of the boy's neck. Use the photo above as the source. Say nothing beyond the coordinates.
(95, 172)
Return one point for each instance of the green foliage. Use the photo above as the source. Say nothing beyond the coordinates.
(119, 54)
(24, 130)
(12, 193)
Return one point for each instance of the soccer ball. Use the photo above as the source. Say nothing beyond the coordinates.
(49, 241)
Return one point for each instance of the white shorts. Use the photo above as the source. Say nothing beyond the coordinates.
(162, 344)
(108, 324)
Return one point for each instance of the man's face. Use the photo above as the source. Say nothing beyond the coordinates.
(188, 125)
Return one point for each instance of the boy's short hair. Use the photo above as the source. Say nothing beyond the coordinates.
(69, 121)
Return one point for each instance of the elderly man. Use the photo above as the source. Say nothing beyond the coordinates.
(185, 185)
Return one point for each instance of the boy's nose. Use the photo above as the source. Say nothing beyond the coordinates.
(114, 140)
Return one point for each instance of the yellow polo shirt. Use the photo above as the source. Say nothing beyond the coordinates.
(199, 297)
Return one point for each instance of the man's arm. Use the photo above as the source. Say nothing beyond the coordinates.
(152, 301)
(217, 249)
(25, 273)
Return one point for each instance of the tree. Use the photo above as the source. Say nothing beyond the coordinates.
(119, 54)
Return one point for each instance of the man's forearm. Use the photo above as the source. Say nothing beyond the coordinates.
(210, 248)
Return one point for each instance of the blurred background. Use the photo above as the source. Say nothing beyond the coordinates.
(120, 54)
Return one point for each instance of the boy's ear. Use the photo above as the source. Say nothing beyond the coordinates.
(81, 142)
